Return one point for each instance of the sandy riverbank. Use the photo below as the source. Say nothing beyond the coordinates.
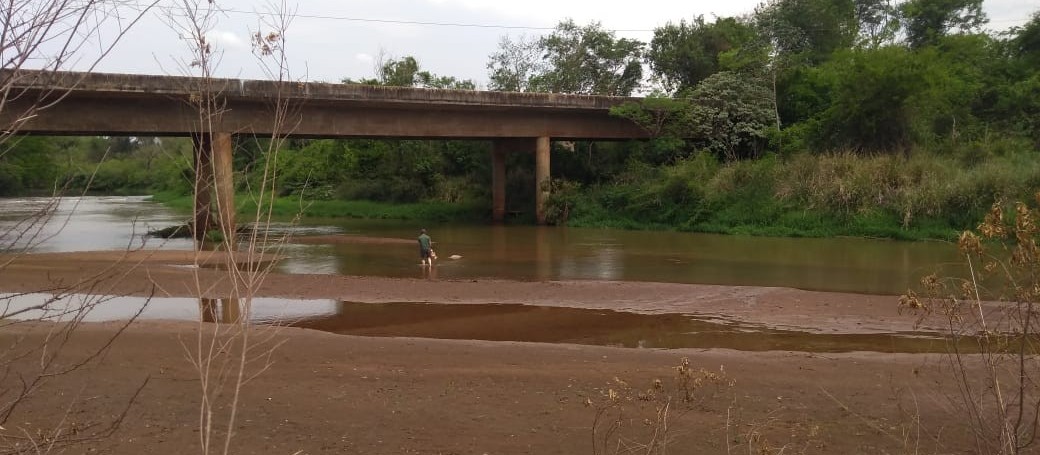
(328, 393)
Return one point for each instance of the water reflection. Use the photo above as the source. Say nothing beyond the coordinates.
(501, 251)
(309, 259)
(226, 311)
(92, 308)
(521, 252)
(429, 272)
(84, 224)
(507, 322)
(493, 322)
(552, 253)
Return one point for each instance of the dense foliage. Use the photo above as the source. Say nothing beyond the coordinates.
(804, 117)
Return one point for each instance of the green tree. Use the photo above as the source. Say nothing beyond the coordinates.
(407, 72)
(512, 67)
(1026, 42)
(1019, 99)
(683, 54)
(892, 98)
(400, 73)
(807, 31)
(29, 163)
(878, 22)
(797, 35)
(588, 60)
(732, 114)
(660, 116)
(927, 21)
(426, 79)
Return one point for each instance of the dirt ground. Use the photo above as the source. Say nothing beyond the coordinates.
(325, 393)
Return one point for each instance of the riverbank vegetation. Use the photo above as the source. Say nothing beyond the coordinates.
(801, 118)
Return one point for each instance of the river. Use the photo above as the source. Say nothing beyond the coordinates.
(367, 247)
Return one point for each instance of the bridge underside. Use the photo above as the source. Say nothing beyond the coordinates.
(148, 114)
(215, 188)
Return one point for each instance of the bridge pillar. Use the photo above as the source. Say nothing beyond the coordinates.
(541, 176)
(498, 181)
(213, 174)
(203, 160)
(224, 184)
(500, 147)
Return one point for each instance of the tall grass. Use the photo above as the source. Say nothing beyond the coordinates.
(915, 196)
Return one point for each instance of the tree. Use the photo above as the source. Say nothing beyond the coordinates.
(892, 98)
(572, 59)
(732, 114)
(426, 79)
(807, 31)
(588, 60)
(400, 73)
(878, 22)
(513, 66)
(1020, 99)
(407, 72)
(660, 116)
(926, 21)
(683, 54)
(1026, 42)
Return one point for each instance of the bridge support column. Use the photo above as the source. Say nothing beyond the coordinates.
(498, 181)
(203, 185)
(500, 147)
(213, 174)
(541, 176)
(224, 184)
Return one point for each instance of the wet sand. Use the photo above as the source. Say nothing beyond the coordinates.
(164, 274)
(327, 393)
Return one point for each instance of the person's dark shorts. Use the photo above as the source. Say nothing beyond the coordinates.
(424, 253)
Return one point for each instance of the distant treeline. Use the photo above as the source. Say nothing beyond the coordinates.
(804, 117)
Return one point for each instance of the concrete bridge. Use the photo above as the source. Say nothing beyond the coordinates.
(213, 111)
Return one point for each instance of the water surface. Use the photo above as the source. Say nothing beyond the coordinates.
(388, 248)
(511, 252)
(491, 322)
(554, 253)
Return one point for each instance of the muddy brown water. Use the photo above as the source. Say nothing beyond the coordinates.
(510, 322)
(552, 253)
(520, 253)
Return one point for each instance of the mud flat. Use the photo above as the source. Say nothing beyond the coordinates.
(326, 393)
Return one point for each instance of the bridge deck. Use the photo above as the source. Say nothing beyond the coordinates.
(100, 103)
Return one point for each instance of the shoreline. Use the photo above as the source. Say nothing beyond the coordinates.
(163, 274)
(318, 392)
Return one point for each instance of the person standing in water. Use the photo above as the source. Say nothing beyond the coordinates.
(425, 248)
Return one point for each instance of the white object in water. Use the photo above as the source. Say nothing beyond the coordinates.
(455, 256)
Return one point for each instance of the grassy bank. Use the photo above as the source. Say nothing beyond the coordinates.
(921, 196)
(289, 207)
(908, 197)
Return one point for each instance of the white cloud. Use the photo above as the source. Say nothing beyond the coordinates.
(363, 57)
(227, 40)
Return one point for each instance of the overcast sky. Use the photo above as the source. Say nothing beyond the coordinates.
(332, 39)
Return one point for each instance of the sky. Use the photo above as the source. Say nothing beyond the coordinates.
(329, 40)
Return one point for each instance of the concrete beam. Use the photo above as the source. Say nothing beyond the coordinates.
(106, 104)
(109, 84)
